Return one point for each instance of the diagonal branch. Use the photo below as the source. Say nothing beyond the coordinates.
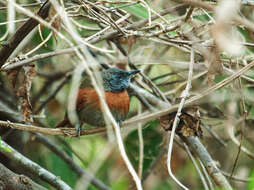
(10, 180)
(34, 168)
(21, 33)
(189, 102)
(165, 109)
(82, 173)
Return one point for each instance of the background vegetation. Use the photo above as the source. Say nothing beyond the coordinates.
(164, 39)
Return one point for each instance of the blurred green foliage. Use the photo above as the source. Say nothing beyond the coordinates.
(152, 142)
(250, 184)
(89, 147)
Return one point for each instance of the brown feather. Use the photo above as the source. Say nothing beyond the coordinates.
(116, 100)
(118, 103)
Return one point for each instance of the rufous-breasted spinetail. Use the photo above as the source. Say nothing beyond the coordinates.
(115, 82)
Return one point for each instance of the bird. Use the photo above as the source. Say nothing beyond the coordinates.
(115, 82)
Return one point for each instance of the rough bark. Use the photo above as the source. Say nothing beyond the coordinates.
(12, 181)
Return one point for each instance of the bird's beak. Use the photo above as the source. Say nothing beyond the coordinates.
(133, 72)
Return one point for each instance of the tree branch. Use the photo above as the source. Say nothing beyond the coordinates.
(210, 165)
(82, 173)
(34, 168)
(10, 180)
(166, 108)
(21, 33)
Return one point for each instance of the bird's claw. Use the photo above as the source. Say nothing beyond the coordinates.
(78, 128)
(119, 123)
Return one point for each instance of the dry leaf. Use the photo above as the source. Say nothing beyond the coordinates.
(12, 74)
(24, 92)
(189, 124)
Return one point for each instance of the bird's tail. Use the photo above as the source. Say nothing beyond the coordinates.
(63, 123)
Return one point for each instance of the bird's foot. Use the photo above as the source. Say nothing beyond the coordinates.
(78, 128)
(119, 123)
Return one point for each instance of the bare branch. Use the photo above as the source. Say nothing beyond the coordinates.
(196, 166)
(80, 171)
(210, 165)
(10, 180)
(21, 33)
(34, 168)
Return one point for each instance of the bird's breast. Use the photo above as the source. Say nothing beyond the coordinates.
(89, 107)
(118, 101)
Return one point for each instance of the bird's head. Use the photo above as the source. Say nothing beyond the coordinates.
(116, 80)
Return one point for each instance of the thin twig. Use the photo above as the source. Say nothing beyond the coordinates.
(228, 175)
(80, 171)
(141, 146)
(194, 100)
(96, 84)
(230, 130)
(22, 32)
(24, 5)
(154, 163)
(214, 134)
(243, 113)
(206, 174)
(73, 49)
(177, 118)
(10, 65)
(165, 109)
(126, 159)
(209, 163)
(40, 45)
(196, 166)
(59, 87)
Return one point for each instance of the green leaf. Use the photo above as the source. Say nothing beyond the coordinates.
(137, 10)
(203, 17)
